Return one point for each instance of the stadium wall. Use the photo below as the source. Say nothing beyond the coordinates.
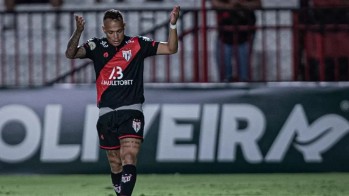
(190, 128)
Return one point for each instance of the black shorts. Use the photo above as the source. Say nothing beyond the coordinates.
(117, 125)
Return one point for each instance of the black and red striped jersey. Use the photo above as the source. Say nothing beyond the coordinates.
(119, 70)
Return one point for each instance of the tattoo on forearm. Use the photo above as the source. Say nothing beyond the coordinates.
(73, 43)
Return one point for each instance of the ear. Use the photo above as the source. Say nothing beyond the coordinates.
(103, 28)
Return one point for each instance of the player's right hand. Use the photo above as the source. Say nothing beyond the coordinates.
(80, 23)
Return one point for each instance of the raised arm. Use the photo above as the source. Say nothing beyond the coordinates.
(73, 50)
(171, 46)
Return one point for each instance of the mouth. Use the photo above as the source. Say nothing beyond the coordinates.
(116, 43)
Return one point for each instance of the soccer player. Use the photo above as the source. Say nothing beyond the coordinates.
(118, 62)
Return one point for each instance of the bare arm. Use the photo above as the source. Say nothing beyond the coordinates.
(171, 46)
(73, 51)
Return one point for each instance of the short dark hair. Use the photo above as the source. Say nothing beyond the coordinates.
(114, 15)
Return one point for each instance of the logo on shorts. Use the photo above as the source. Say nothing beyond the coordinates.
(126, 178)
(117, 189)
(136, 124)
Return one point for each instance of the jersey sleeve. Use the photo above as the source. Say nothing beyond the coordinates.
(90, 46)
(148, 46)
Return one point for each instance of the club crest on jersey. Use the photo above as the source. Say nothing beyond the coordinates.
(136, 124)
(127, 54)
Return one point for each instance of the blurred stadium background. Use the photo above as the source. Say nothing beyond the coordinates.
(290, 117)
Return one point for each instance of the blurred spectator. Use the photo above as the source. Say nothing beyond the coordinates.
(324, 41)
(10, 6)
(236, 20)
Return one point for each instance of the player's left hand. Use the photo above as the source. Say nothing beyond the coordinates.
(174, 15)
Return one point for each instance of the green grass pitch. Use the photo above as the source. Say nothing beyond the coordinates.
(319, 184)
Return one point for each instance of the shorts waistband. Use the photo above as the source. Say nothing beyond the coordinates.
(137, 106)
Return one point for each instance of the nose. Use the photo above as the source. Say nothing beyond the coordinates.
(115, 35)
